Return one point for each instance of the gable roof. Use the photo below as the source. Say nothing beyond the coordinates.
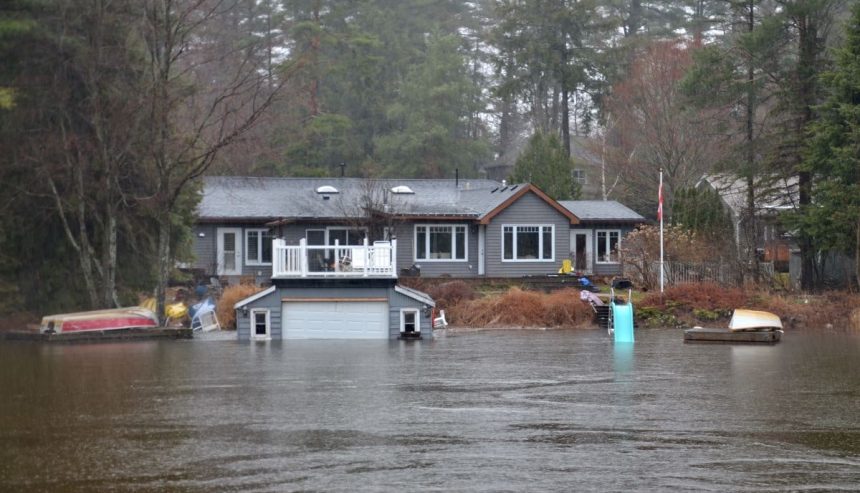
(603, 211)
(272, 199)
(524, 190)
(774, 194)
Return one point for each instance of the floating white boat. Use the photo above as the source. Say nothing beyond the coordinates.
(745, 326)
(743, 319)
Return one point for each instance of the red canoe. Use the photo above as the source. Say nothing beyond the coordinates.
(119, 318)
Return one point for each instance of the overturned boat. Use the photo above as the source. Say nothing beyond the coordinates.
(98, 320)
(745, 326)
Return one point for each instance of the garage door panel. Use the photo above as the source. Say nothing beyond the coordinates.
(335, 320)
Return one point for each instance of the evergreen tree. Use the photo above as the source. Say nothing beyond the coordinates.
(544, 163)
(832, 220)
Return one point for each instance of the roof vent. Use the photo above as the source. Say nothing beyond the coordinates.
(327, 189)
(401, 189)
(504, 183)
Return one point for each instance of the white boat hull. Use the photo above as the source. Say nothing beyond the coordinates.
(754, 320)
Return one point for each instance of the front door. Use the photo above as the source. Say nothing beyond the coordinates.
(580, 250)
(229, 251)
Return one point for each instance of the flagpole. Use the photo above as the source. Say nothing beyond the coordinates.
(660, 210)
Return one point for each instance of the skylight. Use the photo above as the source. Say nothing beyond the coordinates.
(327, 189)
(401, 189)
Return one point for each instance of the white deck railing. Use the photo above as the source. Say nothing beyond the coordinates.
(376, 260)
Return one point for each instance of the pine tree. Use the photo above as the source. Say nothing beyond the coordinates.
(544, 163)
(833, 217)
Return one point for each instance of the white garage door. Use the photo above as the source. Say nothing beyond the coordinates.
(335, 320)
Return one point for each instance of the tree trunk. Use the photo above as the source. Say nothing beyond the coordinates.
(109, 298)
(565, 119)
(857, 255)
(163, 263)
(806, 64)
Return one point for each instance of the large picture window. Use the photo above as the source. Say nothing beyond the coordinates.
(258, 247)
(440, 242)
(608, 242)
(528, 243)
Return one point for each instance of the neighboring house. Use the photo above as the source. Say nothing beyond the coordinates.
(773, 197)
(595, 240)
(585, 171)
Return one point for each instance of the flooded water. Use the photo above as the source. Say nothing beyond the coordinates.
(488, 411)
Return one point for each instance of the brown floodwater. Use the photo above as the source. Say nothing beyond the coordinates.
(483, 411)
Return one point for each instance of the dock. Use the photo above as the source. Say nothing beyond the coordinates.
(703, 334)
(100, 335)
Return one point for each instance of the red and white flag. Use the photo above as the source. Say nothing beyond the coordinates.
(660, 201)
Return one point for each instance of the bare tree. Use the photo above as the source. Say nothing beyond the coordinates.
(192, 118)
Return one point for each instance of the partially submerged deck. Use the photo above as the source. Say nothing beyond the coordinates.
(717, 335)
(99, 335)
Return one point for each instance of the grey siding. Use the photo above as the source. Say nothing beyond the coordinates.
(405, 233)
(606, 269)
(271, 302)
(397, 302)
(204, 247)
(205, 251)
(529, 209)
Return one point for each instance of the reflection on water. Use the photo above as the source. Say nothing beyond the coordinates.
(521, 411)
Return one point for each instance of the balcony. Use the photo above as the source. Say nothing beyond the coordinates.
(334, 261)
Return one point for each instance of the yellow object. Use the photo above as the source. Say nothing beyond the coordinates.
(566, 267)
(176, 310)
(149, 304)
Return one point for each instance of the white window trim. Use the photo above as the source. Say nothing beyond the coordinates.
(259, 247)
(417, 313)
(597, 250)
(540, 243)
(453, 243)
(252, 325)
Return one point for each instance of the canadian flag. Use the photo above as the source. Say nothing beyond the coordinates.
(660, 201)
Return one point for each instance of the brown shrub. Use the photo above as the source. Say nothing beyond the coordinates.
(451, 293)
(523, 309)
(232, 295)
(702, 296)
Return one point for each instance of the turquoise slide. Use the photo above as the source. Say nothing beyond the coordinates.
(622, 322)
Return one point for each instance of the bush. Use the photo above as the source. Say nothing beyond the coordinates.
(451, 293)
(701, 296)
(232, 295)
(520, 308)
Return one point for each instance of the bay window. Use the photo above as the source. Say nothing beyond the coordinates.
(258, 247)
(440, 242)
(608, 241)
(528, 243)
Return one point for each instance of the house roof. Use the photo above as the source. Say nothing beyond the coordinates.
(773, 193)
(602, 211)
(270, 199)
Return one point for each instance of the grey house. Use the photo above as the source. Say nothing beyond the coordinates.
(470, 228)
(337, 245)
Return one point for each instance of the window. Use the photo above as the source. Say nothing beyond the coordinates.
(437, 242)
(608, 242)
(579, 176)
(258, 247)
(345, 236)
(409, 321)
(260, 324)
(528, 243)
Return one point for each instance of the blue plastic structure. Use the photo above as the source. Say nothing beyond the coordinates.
(622, 312)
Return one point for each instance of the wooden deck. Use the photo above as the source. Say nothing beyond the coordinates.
(100, 335)
(726, 336)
